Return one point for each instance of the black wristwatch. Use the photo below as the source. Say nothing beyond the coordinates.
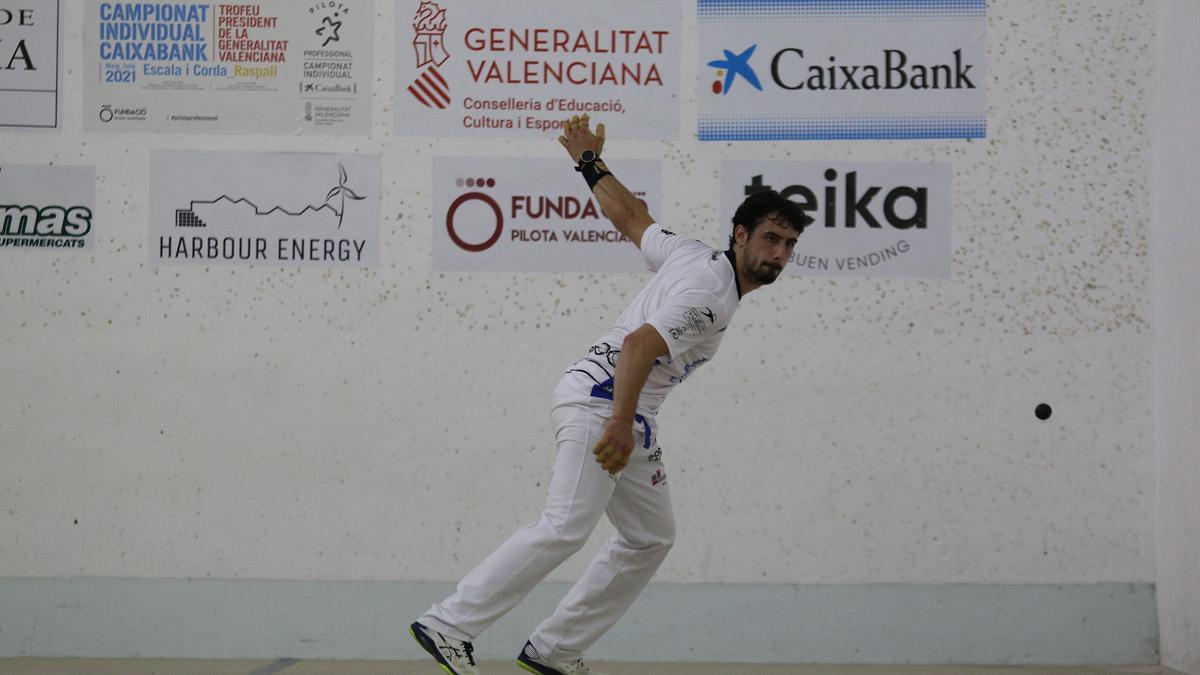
(588, 157)
(591, 169)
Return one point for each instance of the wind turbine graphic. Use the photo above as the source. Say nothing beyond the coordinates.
(341, 191)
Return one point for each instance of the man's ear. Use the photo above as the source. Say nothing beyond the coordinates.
(740, 235)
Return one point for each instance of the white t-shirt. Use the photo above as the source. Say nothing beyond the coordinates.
(690, 302)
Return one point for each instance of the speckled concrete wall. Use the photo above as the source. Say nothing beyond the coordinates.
(1176, 237)
(392, 423)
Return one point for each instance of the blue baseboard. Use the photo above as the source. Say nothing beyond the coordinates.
(774, 623)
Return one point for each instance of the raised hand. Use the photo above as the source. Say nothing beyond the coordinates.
(577, 136)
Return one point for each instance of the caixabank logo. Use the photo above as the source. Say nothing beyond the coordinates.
(792, 69)
(429, 45)
(841, 69)
(37, 223)
(731, 68)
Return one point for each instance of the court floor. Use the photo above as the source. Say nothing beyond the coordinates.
(30, 666)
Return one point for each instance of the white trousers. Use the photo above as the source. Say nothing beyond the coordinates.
(637, 503)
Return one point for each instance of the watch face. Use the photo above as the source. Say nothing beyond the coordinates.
(587, 156)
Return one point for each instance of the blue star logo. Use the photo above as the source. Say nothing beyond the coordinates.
(737, 64)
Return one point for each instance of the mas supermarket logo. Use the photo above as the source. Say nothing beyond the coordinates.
(429, 43)
(32, 226)
(26, 225)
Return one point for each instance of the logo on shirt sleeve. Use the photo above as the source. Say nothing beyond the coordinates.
(693, 322)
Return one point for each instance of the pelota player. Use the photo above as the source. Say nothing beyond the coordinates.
(606, 403)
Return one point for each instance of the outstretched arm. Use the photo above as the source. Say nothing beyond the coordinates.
(627, 213)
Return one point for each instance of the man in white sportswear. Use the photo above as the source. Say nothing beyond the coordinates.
(609, 461)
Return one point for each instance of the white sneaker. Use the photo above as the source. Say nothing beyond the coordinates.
(454, 656)
(530, 660)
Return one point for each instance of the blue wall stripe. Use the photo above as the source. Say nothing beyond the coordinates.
(804, 129)
(782, 623)
(711, 10)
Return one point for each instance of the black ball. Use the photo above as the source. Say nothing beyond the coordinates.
(1042, 411)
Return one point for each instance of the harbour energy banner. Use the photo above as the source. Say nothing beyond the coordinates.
(29, 51)
(488, 69)
(515, 214)
(870, 219)
(233, 208)
(263, 67)
(841, 69)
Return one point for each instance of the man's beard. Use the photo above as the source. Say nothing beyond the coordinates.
(765, 273)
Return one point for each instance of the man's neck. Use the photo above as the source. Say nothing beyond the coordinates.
(744, 283)
(747, 283)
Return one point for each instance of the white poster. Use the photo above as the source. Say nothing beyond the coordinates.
(265, 67)
(280, 209)
(29, 50)
(871, 219)
(47, 207)
(486, 69)
(532, 215)
(841, 69)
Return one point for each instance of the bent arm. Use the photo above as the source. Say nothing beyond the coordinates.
(638, 353)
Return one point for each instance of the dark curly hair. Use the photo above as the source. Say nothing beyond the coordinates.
(764, 202)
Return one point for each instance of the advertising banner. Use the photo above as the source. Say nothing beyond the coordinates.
(531, 215)
(264, 67)
(47, 207)
(232, 207)
(841, 69)
(872, 219)
(486, 69)
(29, 50)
